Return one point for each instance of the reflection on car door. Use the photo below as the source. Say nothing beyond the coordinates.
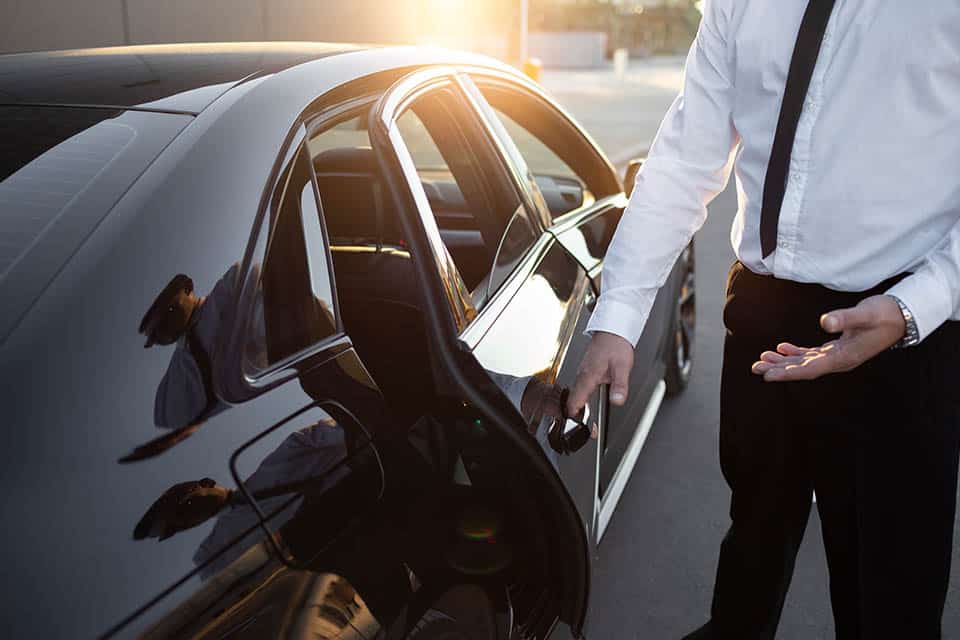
(537, 332)
(269, 334)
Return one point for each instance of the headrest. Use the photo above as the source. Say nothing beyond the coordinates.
(347, 160)
(355, 204)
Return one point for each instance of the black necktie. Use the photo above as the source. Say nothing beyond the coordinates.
(804, 59)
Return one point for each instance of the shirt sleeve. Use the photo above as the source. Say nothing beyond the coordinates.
(511, 386)
(687, 166)
(932, 292)
(181, 395)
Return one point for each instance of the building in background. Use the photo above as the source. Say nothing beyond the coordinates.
(563, 32)
(643, 27)
(30, 25)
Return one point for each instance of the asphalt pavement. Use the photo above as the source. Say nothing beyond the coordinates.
(655, 568)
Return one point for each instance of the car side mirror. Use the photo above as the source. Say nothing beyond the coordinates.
(630, 177)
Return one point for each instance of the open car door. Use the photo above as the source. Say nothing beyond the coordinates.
(547, 576)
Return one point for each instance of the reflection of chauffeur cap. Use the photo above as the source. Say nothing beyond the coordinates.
(155, 316)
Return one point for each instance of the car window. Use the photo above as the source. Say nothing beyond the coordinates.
(568, 170)
(347, 133)
(293, 304)
(540, 159)
(481, 218)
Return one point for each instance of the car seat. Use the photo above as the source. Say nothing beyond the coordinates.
(376, 284)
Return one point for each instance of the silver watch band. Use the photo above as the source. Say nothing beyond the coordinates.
(911, 336)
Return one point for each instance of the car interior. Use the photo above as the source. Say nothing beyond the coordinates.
(376, 287)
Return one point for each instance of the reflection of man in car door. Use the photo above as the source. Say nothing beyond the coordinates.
(179, 315)
(542, 407)
(309, 456)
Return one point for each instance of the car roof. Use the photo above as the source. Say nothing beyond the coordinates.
(265, 104)
(183, 78)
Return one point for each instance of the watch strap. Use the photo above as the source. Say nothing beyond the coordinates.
(911, 334)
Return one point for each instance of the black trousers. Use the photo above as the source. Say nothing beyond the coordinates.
(879, 445)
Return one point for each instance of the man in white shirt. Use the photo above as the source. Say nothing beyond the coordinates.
(841, 349)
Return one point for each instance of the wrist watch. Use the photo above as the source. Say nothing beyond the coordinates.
(911, 336)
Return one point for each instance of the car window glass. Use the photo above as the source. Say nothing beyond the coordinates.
(569, 172)
(539, 157)
(347, 133)
(293, 305)
(424, 151)
(478, 210)
(563, 190)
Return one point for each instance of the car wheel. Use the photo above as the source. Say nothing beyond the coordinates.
(683, 323)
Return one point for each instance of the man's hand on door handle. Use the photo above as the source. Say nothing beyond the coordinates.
(608, 360)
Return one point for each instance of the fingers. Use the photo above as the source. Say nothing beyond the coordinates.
(791, 362)
(551, 404)
(811, 364)
(620, 373)
(588, 380)
(789, 349)
(767, 363)
(810, 368)
(786, 354)
(609, 359)
(862, 315)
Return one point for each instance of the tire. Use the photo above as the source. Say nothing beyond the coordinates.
(683, 321)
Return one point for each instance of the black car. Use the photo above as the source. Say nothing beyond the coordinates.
(271, 314)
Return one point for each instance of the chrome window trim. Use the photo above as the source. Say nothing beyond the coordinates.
(392, 104)
(280, 370)
(583, 215)
(536, 231)
(237, 385)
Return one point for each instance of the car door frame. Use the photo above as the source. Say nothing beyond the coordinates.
(452, 319)
(622, 458)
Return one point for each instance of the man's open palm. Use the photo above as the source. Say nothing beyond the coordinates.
(873, 326)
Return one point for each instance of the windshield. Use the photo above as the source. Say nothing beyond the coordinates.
(61, 170)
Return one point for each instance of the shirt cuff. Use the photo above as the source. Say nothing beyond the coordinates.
(624, 320)
(927, 297)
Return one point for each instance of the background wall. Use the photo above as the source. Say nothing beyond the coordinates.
(485, 26)
(30, 25)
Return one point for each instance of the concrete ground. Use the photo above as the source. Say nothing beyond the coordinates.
(655, 570)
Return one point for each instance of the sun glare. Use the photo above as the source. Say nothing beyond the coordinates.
(447, 5)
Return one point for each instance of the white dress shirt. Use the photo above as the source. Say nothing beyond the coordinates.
(874, 180)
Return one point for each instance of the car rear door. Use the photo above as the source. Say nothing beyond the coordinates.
(514, 323)
(285, 416)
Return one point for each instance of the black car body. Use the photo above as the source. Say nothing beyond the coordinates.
(344, 262)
